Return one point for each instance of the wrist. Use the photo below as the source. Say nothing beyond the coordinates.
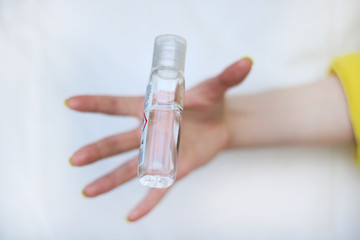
(240, 122)
(253, 120)
(315, 113)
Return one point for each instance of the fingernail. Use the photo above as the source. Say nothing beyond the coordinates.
(83, 193)
(71, 162)
(247, 57)
(65, 103)
(127, 220)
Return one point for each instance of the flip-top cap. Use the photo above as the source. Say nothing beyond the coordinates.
(169, 51)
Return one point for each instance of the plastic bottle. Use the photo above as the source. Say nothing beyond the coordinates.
(163, 108)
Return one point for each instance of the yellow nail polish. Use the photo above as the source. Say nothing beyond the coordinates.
(252, 62)
(71, 162)
(65, 103)
(127, 220)
(82, 193)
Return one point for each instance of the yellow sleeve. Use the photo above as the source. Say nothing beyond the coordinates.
(347, 68)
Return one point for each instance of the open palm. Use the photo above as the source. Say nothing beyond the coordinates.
(204, 133)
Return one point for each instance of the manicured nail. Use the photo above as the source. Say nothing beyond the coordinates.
(71, 162)
(127, 220)
(83, 193)
(252, 62)
(65, 103)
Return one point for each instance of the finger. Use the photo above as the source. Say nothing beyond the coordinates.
(230, 77)
(120, 175)
(151, 199)
(234, 74)
(107, 147)
(127, 106)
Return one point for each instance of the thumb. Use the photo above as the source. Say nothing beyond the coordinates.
(230, 77)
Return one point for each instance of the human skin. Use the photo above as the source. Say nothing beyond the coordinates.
(312, 114)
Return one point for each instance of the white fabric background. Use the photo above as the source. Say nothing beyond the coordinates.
(50, 50)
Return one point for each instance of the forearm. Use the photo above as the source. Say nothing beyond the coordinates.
(311, 114)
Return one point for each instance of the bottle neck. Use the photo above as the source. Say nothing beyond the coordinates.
(167, 69)
(166, 72)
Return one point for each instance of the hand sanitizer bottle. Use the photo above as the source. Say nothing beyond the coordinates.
(159, 147)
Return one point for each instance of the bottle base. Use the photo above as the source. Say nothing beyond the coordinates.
(156, 181)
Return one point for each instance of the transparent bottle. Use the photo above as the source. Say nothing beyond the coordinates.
(163, 108)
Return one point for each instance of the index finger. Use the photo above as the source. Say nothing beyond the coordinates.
(126, 106)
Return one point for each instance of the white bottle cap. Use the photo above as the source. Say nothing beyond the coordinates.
(169, 51)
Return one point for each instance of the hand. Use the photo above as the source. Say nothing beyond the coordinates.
(204, 133)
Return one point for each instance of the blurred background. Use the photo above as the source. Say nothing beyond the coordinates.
(51, 50)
